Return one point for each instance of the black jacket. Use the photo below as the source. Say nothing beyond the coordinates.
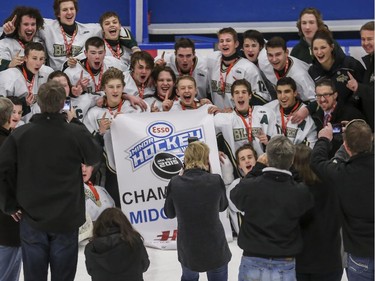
(365, 91)
(343, 112)
(196, 198)
(273, 204)
(339, 74)
(354, 183)
(9, 229)
(109, 258)
(41, 174)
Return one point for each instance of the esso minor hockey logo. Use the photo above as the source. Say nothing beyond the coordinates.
(160, 129)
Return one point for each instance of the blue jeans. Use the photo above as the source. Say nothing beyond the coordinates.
(10, 263)
(40, 249)
(264, 269)
(360, 269)
(218, 274)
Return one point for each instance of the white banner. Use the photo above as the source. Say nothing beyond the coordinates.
(148, 150)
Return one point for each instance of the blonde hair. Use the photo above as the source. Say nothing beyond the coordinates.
(196, 156)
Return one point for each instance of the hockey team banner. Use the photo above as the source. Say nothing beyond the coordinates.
(148, 150)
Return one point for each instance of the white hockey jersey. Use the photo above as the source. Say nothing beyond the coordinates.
(74, 73)
(9, 47)
(132, 89)
(97, 200)
(297, 133)
(200, 72)
(13, 83)
(54, 40)
(233, 129)
(242, 69)
(298, 70)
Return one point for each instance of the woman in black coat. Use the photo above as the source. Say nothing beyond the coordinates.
(196, 198)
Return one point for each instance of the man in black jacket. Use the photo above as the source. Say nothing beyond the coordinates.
(354, 182)
(41, 181)
(273, 204)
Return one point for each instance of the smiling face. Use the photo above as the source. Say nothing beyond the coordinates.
(67, 14)
(111, 28)
(286, 96)
(241, 97)
(34, 60)
(367, 41)
(187, 91)
(141, 72)
(16, 115)
(251, 49)
(309, 26)
(164, 84)
(86, 172)
(277, 57)
(323, 52)
(325, 97)
(227, 45)
(113, 90)
(185, 59)
(27, 29)
(246, 160)
(95, 56)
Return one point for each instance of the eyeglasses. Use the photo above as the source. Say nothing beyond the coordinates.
(326, 95)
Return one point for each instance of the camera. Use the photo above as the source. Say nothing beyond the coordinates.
(67, 105)
(337, 128)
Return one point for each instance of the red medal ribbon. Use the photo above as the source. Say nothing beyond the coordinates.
(283, 122)
(97, 86)
(285, 70)
(68, 46)
(248, 124)
(222, 80)
(29, 85)
(117, 53)
(93, 190)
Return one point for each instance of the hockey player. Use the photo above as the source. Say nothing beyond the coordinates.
(226, 66)
(184, 61)
(93, 66)
(26, 21)
(186, 89)
(98, 122)
(282, 65)
(246, 124)
(24, 80)
(286, 104)
(253, 49)
(119, 41)
(138, 79)
(165, 81)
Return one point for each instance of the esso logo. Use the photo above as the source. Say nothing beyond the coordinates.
(160, 129)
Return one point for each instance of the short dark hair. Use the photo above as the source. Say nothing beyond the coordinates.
(326, 82)
(280, 152)
(56, 6)
(287, 81)
(107, 15)
(6, 110)
(34, 46)
(244, 147)
(51, 97)
(276, 42)
(94, 41)
(355, 128)
(254, 35)
(142, 55)
(243, 82)
(184, 43)
(229, 30)
(59, 73)
(368, 26)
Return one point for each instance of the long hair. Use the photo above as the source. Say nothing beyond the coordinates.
(196, 156)
(302, 164)
(112, 218)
